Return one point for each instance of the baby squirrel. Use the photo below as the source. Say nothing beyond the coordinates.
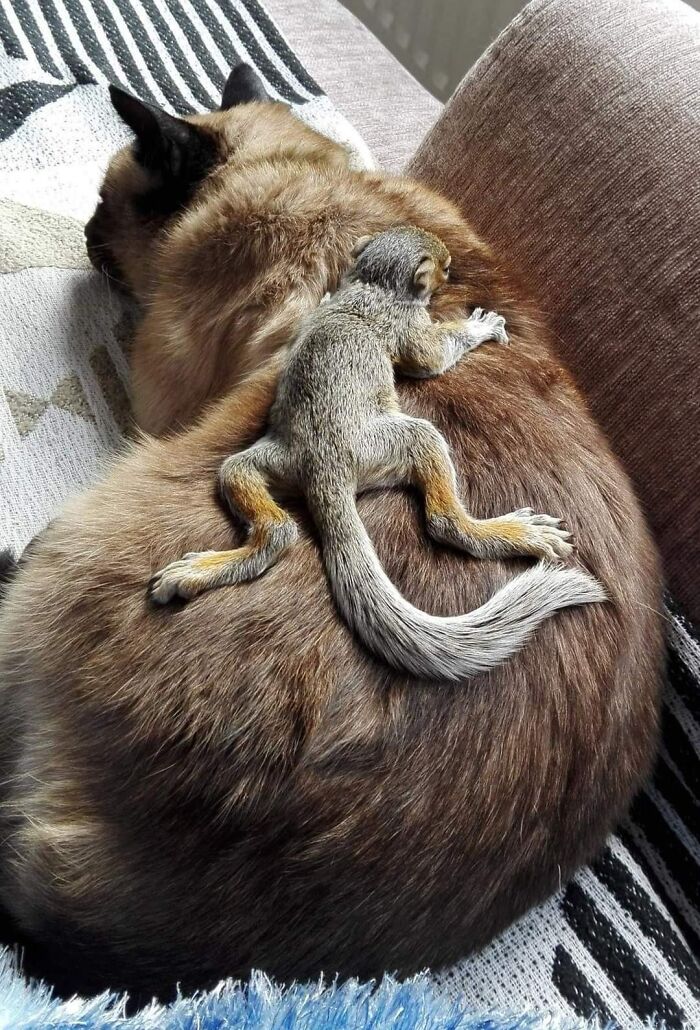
(336, 429)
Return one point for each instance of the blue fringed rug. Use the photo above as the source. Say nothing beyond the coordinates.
(260, 1005)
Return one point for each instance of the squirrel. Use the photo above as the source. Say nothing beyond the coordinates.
(336, 429)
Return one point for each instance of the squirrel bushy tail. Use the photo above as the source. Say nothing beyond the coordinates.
(410, 640)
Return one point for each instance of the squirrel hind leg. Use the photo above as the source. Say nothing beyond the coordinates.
(243, 479)
(200, 571)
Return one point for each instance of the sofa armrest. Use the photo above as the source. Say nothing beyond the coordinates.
(573, 146)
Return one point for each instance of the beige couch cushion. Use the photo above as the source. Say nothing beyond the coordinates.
(390, 110)
(574, 148)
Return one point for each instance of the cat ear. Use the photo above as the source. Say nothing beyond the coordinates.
(423, 275)
(243, 86)
(164, 144)
(360, 246)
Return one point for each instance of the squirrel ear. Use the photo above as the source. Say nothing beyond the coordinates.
(423, 274)
(360, 246)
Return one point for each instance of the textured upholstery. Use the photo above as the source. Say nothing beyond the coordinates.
(574, 147)
(386, 105)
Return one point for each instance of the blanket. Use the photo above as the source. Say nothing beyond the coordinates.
(621, 940)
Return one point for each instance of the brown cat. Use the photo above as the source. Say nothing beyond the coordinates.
(191, 792)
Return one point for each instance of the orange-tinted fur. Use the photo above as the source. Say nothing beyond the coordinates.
(236, 783)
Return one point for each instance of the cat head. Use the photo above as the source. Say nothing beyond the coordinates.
(173, 161)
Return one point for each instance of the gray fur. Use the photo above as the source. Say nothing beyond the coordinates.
(336, 429)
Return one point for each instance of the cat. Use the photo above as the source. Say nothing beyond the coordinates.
(172, 815)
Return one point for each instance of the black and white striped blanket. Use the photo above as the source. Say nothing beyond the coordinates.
(623, 938)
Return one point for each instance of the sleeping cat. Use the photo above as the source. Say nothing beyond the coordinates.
(189, 794)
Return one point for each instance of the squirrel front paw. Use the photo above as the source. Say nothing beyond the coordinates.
(482, 326)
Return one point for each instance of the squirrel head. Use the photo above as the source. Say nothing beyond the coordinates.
(406, 260)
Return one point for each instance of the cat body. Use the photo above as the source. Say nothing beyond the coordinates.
(191, 793)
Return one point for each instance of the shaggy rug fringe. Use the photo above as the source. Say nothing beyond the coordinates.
(261, 1005)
